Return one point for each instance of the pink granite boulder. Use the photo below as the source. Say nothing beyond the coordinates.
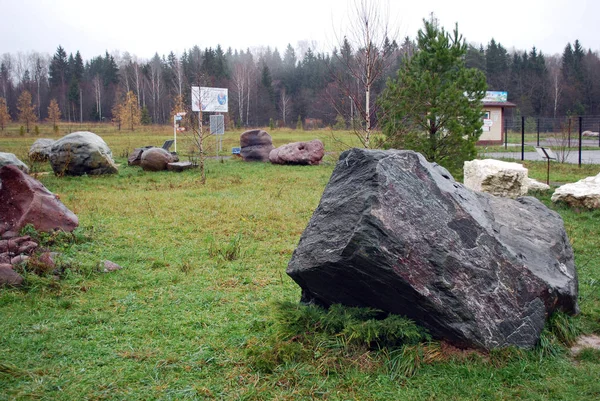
(24, 200)
(298, 153)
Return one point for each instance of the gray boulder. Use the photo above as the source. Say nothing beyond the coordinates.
(311, 152)
(40, 150)
(81, 153)
(397, 233)
(9, 159)
(256, 145)
(156, 159)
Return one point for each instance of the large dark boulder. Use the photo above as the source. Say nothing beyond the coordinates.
(24, 200)
(135, 157)
(303, 153)
(81, 153)
(255, 145)
(397, 233)
(156, 159)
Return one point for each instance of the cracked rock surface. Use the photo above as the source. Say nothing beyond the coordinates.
(397, 233)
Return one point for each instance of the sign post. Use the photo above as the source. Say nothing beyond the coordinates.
(548, 154)
(176, 118)
(217, 128)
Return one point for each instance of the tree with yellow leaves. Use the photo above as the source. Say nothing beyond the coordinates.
(128, 113)
(54, 114)
(4, 115)
(26, 110)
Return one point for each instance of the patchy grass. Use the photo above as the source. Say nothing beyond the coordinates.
(203, 309)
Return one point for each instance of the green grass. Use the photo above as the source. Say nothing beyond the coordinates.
(203, 309)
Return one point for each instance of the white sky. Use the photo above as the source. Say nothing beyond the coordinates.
(145, 27)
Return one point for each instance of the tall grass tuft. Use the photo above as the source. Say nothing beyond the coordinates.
(229, 251)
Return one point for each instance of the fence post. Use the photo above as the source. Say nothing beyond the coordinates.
(522, 137)
(580, 138)
(538, 131)
(506, 133)
(569, 140)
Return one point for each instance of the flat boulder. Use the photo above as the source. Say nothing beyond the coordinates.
(156, 159)
(496, 177)
(24, 200)
(178, 167)
(81, 153)
(399, 234)
(256, 145)
(9, 159)
(40, 149)
(584, 193)
(304, 153)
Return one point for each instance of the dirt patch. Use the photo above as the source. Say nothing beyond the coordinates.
(591, 341)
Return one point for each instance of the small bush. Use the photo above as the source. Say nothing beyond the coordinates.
(340, 123)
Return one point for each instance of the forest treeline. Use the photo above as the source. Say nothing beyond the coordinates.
(266, 86)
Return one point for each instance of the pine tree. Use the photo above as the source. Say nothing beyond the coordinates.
(26, 110)
(434, 104)
(4, 114)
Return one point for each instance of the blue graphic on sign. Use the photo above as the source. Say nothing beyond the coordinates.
(222, 98)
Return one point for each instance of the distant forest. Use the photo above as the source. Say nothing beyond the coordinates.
(269, 87)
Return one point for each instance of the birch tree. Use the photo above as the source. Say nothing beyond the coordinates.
(365, 58)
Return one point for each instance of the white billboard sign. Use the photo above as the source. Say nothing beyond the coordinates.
(196, 98)
(209, 99)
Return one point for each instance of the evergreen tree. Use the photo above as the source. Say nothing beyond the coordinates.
(496, 66)
(58, 72)
(434, 104)
(475, 58)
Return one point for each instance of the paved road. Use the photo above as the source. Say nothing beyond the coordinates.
(587, 156)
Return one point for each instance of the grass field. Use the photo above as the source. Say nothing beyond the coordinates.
(203, 309)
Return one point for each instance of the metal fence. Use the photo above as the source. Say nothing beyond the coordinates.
(573, 139)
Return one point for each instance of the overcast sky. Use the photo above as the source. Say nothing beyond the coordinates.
(145, 27)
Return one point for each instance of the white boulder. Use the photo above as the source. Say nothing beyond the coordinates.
(583, 193)
(535, 185)
(496, 177)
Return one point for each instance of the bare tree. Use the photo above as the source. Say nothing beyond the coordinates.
(365, 55)
(39, 66)
(178, 76)
(97, 83)
(155, 72)
(243, 72)
(554, 65)
(285, 105)
(138, 81)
